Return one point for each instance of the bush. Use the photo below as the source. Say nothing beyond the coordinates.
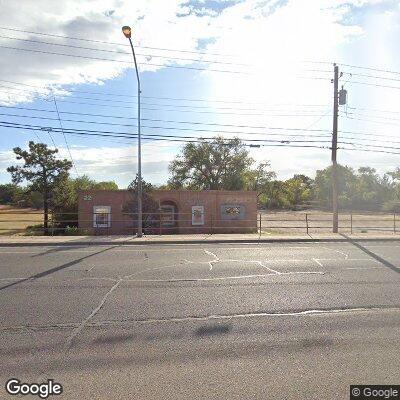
(34, 230)
(74, 231)
(391, 206)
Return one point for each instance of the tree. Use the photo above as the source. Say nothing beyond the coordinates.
(217, 165)
(9, 193)
(65, 195)
(347, 186)
(42, 169)
(297, 190)
(150, 207)
(257, 179)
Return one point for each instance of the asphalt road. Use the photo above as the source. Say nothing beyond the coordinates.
(268, 321)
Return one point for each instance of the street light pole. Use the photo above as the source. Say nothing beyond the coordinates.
(127, 32)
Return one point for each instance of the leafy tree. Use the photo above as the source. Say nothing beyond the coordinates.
(65, 198)
(42, 169)
(297, 190)
(274, 195)
(217, 165)
(35, 199)
(346, 189)
(150, 207)
(9, 193)
(257, 179)
(106, 185)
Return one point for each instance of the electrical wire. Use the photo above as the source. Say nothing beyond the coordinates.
(168, 98)
(116, 44)
(65, 137)
(123, 52)
(122, 61)
(150, 136)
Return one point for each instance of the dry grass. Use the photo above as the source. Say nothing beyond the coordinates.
(295, 222)
(14, 221)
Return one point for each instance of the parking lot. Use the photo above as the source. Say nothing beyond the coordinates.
(202, 321)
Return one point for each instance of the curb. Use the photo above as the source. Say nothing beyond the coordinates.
(214, 241)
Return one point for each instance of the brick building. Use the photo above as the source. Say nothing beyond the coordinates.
(101, 212)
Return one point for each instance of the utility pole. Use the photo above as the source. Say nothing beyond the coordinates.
(335, 215)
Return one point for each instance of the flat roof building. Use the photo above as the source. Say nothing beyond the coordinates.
(103, 212)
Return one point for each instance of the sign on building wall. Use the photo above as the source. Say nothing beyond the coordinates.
(231, 212)
(197, 215)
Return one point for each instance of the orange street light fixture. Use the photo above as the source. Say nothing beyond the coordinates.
(127, 31)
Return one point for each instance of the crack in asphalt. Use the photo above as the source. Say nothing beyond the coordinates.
(81, 326)
(287, 313)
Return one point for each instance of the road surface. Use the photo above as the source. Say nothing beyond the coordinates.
(267, 321)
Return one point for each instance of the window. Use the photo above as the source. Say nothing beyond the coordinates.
(101, 216)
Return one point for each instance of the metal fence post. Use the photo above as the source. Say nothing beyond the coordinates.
(260, 226)
(351, 223)
(52, 223)
(307, 222)
(394, 222)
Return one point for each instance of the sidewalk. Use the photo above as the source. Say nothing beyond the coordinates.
(187, 239)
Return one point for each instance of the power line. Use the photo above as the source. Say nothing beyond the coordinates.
(373, 116)
(373, 84)
(143, 63)
(162, 127)
(122, 61)
(148, 136)
(190, 106)
(196, 138)
(225, 101)
(374, 122)
(148, 119)
(370, 69)
(65, 138)
(327, 131)
(373, 109)
(372, 76)
(118, 44)
(185, 129)
(123, 52)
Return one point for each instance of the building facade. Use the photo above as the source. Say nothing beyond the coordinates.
(103, 212)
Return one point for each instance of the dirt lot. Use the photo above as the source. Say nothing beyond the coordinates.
(15, 220)
(295, 222)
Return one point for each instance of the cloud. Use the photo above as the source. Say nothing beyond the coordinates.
(273, 37)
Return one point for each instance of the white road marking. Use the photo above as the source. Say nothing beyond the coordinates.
(363, 268)
(318, 262)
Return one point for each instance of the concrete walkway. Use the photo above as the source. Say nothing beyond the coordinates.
(186, 239)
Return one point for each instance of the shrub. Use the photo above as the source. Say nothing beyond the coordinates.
(391, 206)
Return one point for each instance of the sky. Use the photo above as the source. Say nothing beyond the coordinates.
(257, 69)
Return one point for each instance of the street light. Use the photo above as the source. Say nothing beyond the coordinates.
(126, 30)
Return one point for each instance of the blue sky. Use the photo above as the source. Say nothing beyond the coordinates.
(279, 54)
